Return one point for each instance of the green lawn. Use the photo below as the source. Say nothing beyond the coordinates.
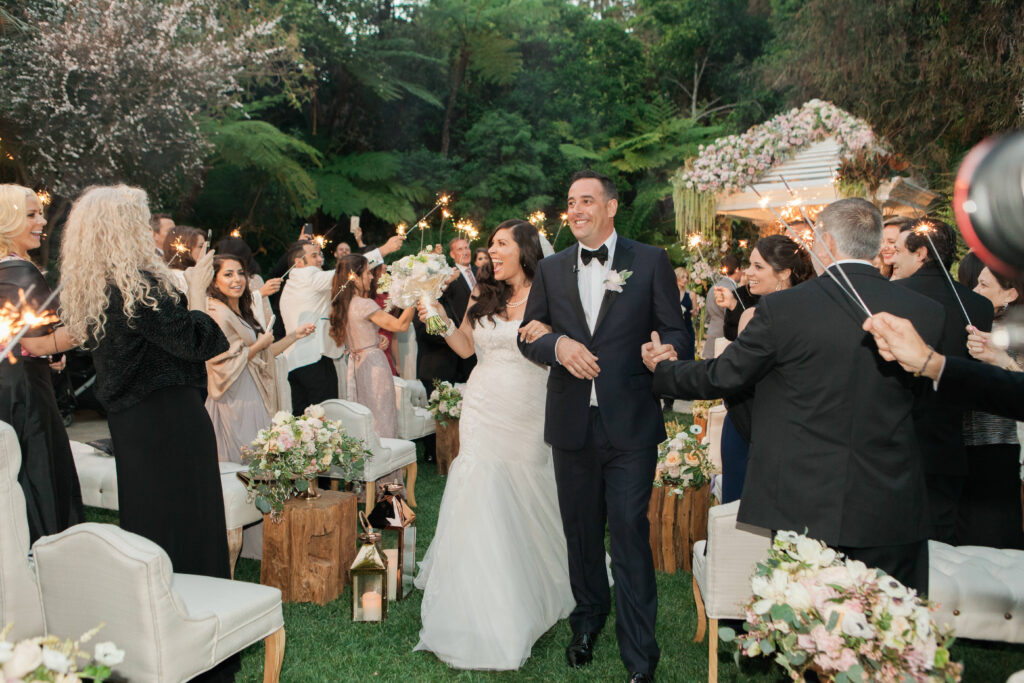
(324, 645)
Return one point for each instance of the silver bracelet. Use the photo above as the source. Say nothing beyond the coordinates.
(449, 330)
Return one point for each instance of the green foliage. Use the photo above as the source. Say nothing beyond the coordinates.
(351, 184)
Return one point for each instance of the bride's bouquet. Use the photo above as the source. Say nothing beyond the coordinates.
(419, 277)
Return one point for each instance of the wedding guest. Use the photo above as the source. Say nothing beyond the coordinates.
(835, 451)
(890, 233)
(355, 321)
(261, 290)
(455, 299)
(160, 224)
(150, 348)
(969, 269)
(481, 259)
(183, 246)
(241, 382)
(917, 266)
(341, 249)
(53, 500)
(714, 318)
(990, 508)
(735, 301)
(776, 264)
(387, 336)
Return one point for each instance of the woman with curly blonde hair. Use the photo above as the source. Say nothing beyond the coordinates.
(53, 499)
(149, 348)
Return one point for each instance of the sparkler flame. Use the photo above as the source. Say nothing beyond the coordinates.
(401, 229)
(694, 240)
(564, 218)
(320, 241)
(44, 197)
(537, 218)
(444, 199)
(743, 244)
(236, 233)
(16, 318)
(446, 213)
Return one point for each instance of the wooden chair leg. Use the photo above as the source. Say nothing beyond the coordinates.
(234, 548)
(713, 651)
(702, 617)
(410, 484)
(371, 496)
(274, 646)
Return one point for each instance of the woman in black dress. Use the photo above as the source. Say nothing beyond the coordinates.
(48, 477)
(149, 348)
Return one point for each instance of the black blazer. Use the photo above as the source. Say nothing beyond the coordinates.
(833, 446)
(649, 301)
(455, 301)
(939, 421)
(983, 387)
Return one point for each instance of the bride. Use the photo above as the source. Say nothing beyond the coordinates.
(495, 577)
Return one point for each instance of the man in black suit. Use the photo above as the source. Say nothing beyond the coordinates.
(455, 299)
(602, 299)
(939, 421)
(833, 446)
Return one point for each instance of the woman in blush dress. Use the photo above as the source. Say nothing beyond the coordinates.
(241, 382)
(496, 577)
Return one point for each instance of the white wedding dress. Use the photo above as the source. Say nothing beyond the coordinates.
(495, 577)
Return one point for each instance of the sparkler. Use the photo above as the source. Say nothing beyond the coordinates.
(351, 279)
(320, 241)
(401, 229)
(925, 228)
(852, 291)
(564, 218)
(44, 197)
(179, 249)
(236, 233)
(21, 321)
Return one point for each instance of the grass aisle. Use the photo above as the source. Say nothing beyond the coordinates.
(324, 645)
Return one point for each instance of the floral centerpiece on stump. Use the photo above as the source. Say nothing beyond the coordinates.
(683, 460)
(48, 658)
(816, 611)
(445, 402)
(285, 458)
(417, 278)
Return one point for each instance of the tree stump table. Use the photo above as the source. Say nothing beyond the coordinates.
(308, 553)
(677, 522)
(447, 450)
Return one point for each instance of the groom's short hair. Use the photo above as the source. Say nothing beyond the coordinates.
(607, 184)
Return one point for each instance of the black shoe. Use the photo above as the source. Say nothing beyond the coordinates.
(638, 677)
(581, 650)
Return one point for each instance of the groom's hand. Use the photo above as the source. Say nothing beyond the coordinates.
(576, 358)
(653, 352)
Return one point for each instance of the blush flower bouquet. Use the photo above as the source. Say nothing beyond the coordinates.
(417, 278)
(50, 659)
(683, 460)
(286, 456)
(445, 402)
(813, 610)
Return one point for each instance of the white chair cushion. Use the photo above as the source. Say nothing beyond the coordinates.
(97, 476)
(980, 591)
(414, 420)
(724, 564)
(245, 612)
(238, 509)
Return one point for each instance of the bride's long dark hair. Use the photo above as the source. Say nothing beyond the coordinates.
(492, 295)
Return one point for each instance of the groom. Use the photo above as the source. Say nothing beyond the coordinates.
(602, 299)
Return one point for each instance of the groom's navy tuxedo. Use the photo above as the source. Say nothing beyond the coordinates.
(604, 454)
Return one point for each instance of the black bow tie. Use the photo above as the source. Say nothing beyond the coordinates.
(601, 254)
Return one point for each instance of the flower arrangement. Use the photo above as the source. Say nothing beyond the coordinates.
(293, 450)
(417, 277)
(734, 161)
(700, 409)
(445, 402)
(48, 658)
(683, 461)
(816, 611)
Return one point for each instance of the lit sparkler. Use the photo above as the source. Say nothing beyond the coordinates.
(351, 279)
(401, 229)
(320, 241)
(179, 249)
(236, 233)
(16, 321)
(44, 197)
(925, 228)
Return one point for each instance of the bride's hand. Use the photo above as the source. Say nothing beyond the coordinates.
(425, 312)
(533, 330)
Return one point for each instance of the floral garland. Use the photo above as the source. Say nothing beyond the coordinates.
(814, 610)
(735, 161)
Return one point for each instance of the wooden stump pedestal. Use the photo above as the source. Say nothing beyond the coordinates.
(677, 522)
(308, 554)
(447, 436)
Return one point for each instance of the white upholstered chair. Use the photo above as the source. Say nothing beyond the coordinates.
(722, 568)
(387, 455)
(171, 626)
(414, 420)
(407, 352)
(284, 390)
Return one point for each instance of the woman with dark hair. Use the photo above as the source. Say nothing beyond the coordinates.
(183, 247)
(499, 548)
(261, 291)
(356, 320)
(969, 269)
(989, 513)
(241, 382)
(776, 263)
(481, 258)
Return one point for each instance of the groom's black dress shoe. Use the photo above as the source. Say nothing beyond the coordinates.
(581, 649)
(640, 678)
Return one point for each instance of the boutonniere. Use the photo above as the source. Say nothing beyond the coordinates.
(614, 280)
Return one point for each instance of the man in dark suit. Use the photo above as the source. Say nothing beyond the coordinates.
(455, 299)
(938, 420)
(602, 299)
(833, 446)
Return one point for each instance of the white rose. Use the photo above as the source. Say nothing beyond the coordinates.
(280, 417)
(855, 624)
(107, 654)
(316, 410)
(56, 661)
(25, 658)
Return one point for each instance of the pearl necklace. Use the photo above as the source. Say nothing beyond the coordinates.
(514, 304)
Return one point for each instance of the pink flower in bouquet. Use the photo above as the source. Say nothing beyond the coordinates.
(673, 471)
(285, 442)
(691, 459)
(673, 459)
(312, 468)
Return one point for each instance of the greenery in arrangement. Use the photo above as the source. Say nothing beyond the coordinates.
(50, 659)
(683, 459)
(286, 456)
(445, 402)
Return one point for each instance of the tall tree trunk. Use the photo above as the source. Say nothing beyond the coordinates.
(458, 77)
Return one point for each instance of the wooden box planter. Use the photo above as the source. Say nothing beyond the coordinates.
(307, 554)
(447, 450)
(677, 522)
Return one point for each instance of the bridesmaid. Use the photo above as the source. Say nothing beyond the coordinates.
(241, 382)
(48, 476)
(356, 319)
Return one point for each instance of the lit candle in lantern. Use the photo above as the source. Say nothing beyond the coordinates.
(372, 606)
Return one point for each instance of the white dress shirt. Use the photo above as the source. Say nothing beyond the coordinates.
(590, 279)
(467, 275)
(306, 296)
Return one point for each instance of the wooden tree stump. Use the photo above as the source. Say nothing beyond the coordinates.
(308, 554)
(677, 522)
(447, 445)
